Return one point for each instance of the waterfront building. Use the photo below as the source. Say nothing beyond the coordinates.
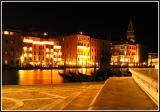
(11, 47)
(30, 49)
(41, 52)
(126, 52)
(81, 50)
(153, 59)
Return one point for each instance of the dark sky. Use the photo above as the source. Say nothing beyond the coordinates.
(110, 19)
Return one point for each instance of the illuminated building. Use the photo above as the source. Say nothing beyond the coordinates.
(41, 52)
(81, 50)
(153, 59)
(11, 45)
(126, 53)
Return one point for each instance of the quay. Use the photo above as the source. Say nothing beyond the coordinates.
(138, 92)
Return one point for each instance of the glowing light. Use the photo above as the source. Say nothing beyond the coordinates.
(60, 53)
(47, 50)
(55, 53)
(30, 55)
(51, 56)
(22, 58)
(55, 59)
(144, 63)
(11, 33)
(25, 48)
(45, 34)
(47, 55)
(81, 33)
(57, 47)
(51, 50)
(37, 42)
(6, 32)
(82, 56)
(59, 59)
(25, 55)
(30, 48)
(83, 47)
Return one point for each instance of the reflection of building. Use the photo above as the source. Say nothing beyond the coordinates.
(153, 59)
(126, 52)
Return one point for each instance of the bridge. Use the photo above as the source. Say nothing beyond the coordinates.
(139, 92)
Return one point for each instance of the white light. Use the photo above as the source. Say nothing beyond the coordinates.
(30, 55)
(6, 32)
(25, 48)
(37, 42)
(57, 47)
(51, 50)
(47, 50)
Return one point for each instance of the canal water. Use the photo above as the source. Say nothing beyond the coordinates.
(30, 77)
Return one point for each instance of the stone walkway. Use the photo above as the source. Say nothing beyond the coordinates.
(67, 96)
(122, 93)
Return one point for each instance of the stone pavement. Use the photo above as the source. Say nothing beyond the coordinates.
(68, 96)
(122, 93)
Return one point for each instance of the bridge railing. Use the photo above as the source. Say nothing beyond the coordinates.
(147, 79)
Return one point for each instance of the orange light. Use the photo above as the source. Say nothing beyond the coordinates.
(60, 53)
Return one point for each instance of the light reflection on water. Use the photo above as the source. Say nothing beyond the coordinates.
(30, 77)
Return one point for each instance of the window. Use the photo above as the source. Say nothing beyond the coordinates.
(12, 62)
(39, 58)
(6, 41)
(34, 58)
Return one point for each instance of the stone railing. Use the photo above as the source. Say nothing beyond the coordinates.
(147, 79)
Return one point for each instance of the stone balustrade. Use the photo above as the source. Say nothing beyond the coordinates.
(147, 79)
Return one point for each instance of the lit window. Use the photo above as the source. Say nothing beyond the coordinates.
(47, 50)
(60, 53)
(51, 50)
(25, 48)
(55, 53)
(55, 59)
(51, 56)
(30, 48)
(47, 55)
(30, 55)
(6, 62)
(57, 47)
(59, 59)
(25, 55)
(11, 33)
(6, 32)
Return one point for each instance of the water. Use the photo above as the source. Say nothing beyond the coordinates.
(30, 77)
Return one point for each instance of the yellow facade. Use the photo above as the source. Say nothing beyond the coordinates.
(41, 52)
(125, 54)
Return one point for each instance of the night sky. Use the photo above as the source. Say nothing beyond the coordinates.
(109, 20)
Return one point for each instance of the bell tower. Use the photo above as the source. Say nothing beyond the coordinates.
(130, 32)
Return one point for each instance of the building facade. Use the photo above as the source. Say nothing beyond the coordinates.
(21, 49)
(153, 59)
(11, 48)
(126, 53)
